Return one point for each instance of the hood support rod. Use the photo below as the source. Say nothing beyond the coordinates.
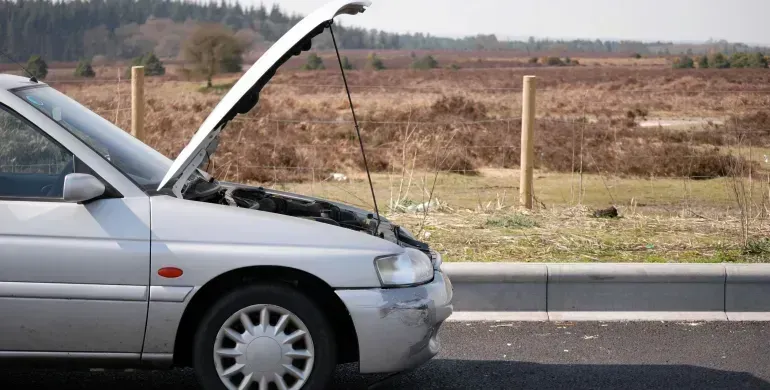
(358, 130)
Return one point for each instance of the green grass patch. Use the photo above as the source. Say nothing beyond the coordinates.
(512, 221)
(757, 247)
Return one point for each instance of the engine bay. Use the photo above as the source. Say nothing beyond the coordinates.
(258, 198)
(263, 200)
(323, 212)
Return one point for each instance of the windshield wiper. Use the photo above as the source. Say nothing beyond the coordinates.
(358, 130)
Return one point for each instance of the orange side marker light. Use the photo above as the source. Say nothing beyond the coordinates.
(170, 272)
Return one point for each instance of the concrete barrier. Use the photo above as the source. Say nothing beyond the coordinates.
(636, 292)
(517, 289)
(610, 292)
(747, 292)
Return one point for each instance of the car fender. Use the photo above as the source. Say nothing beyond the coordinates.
(208, 240)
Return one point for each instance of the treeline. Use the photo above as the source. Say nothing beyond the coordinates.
(120, 29)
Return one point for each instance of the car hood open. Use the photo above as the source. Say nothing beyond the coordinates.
(244, 95)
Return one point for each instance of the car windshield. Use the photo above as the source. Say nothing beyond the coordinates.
(143, 164)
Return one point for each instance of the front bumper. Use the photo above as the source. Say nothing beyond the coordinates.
(398, 328)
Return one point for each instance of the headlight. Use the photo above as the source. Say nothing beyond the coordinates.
(409, 268)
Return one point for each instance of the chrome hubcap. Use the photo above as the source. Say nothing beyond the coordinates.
(262, 345)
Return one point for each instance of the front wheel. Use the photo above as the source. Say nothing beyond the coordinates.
(264, 337)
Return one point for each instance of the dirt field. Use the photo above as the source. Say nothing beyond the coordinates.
(682, 153)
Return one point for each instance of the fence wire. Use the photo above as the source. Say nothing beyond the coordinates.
(429, 89)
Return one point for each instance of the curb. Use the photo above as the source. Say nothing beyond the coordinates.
(609, 292)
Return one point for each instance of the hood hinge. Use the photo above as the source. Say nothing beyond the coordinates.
(211, 146)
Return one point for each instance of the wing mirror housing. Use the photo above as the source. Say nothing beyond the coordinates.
(81, 188)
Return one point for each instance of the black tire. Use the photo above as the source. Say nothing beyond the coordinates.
(282, 295)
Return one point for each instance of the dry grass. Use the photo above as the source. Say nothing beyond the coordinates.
(476, 217)
(494, 189)
(415, 122)
(569, 235)
(588, 127)
(624, 62)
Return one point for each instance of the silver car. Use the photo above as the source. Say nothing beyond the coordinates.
(112, 255)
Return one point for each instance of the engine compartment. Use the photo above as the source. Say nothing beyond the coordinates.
(258, 198)
(262, 200)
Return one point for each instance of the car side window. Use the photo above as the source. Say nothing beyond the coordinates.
(31, 164)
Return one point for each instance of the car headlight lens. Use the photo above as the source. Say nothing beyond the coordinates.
(409, 268)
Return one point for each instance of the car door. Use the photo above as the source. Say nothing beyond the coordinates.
(73, 277)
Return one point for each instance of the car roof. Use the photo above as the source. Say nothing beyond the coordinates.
(9, 81)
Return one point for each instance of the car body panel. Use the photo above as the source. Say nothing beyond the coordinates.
(77, 267)
(163, 319)
(398, 328)
(236, 238)
(249, 85)
(73, 267)
(165, 311)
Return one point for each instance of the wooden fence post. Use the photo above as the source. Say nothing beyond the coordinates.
(137, 102)
(526, 193)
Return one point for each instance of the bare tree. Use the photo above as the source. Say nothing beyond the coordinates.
(213, 48)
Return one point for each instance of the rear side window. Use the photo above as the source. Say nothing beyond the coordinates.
(31, 164)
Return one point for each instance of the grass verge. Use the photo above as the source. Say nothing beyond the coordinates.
(475, 218)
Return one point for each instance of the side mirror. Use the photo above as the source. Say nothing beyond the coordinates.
(80, 187)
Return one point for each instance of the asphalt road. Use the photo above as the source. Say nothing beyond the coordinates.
(525, 355)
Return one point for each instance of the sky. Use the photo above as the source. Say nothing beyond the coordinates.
(648, 20)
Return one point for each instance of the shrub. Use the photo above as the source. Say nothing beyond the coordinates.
(719, 61)
(761, 60)
(374, 62)
(84, 69)
(533, 60)
(232, 60)
(554, 61)
(757, 60)
(684, 62)
(37, 67)
(152, 65)
(748, 60)
(212, 49)
(454, 67)
(314, 62)
(426, 62)
(739, 60)
(637, 56)
(703, 62)
(346, 64)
